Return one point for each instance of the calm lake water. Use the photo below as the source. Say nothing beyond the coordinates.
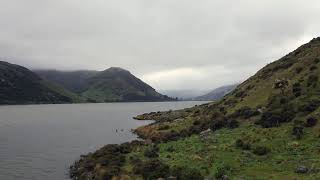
(41, 141)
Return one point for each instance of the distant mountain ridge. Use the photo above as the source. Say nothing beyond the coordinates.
(184, 94)
(19, 85)
(217, 93)
(111, 85)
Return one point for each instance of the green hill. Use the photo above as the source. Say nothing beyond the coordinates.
(116, 84)
(19, 85)
(267, 128)
(74, 81)
(111, 85)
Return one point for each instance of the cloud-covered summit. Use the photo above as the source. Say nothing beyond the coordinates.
(171, 44)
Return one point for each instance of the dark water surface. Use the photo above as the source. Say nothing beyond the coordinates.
(40, 142)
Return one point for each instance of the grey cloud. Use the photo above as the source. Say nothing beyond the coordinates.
(154, 37)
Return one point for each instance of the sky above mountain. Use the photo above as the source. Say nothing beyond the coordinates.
(170, 44)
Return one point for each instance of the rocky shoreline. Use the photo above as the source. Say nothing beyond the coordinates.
(107, 162)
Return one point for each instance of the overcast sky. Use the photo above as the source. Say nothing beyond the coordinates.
(170, 44)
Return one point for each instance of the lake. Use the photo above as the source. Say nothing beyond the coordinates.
(41, 141)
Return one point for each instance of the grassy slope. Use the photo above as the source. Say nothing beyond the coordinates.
(62, 91)
(180, 145)
(116, 84)
(220, 151)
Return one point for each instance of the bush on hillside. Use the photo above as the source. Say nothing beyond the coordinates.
(245, 112)
(261, 150)
(312, 68)
(244, 145)
(152, 169)
(163, 127)
(232, 124)
(240, 94)
(296, 89)
(310, 106)
(299, 70)
(312, 79)
(196, 122)
(182, 173)
(311, 121)
(108, 173)
(275, 118)
(218, 123)
(221, 170)
(297, 131)
(151, 152)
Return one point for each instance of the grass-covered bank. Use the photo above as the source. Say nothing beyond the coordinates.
(267, 128)
(246, 152)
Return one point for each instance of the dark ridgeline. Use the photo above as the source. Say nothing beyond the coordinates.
(18, 85)
(111, 85)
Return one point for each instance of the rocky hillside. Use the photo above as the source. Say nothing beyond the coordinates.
(19, 85)
(112, 85)
(267, 128)
(217, 93)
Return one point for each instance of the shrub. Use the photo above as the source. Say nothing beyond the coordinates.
(218, 123)
(152, 169)
(196, 122)
(312, 79)
(274, 118)
(240, 94)
(164, 127)
(135, 160)
(232, 124)
(239, 143)
(221, 170)
(183, 173)
(296, 89)
(261, 150)
(316, 60)
(244, 145)
(298, 70)
(310, 106)
(151, 151)
(126, 148)
(297, 131)
(222, 109)
(168, 136)
(297, 94)
(312, 68)
(270, 119)
(283, 100)
(311, 121)
(245, 112)
(108, 173)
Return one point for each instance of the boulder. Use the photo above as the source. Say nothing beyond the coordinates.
(172, 178)
(302, 170)
(205, 134)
